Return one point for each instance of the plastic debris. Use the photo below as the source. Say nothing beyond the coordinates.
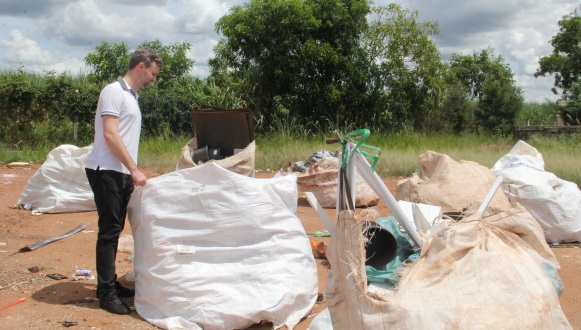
(55, 276)
(21, 300)
(322, 233)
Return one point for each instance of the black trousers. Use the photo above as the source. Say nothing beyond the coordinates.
(112, 191)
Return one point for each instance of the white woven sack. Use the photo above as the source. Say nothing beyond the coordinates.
(60, 185)
(554, 202)
(218, 250)
(490, 273)
(241, 163)
(454, 186)
(321, 180)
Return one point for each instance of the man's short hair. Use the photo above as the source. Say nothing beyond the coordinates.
(145, 55)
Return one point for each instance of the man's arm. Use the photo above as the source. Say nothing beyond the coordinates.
(115, 143)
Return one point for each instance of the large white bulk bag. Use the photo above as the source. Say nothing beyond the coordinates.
(219, 250)
(555, 203)
(60, 185)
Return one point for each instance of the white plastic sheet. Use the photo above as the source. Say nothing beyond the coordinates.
(555, 203)
(60, 185)
(218, 250)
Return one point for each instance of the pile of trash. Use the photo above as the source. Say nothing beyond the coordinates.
(489, 266)
(457, 251)
(318, 174)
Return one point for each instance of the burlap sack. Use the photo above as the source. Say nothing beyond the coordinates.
(321, 180)
(241, 163)
(455, 186)
(495, 272)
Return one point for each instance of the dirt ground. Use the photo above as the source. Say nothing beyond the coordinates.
(48, 303)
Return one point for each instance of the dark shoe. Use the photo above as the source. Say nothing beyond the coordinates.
(123, 291)
(114, 305)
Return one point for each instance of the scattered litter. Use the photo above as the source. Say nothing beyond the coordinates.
(69, 324)
(21, 300)
(83, 274)
(15, 285)
(82, 277)
(322, 233)
(49, 240)
(313, 159)
(81, 301)
(319, 250)
(130, 276)
(88, 231)
(55, 276)
(126, 244)
(3, 244)
(18, 164)
(35, 269)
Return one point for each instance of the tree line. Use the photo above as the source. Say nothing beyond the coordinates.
(319, 65)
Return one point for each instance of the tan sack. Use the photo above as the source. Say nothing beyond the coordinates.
(491, 273)
(321, 180)
(455, 186)
(241, 163)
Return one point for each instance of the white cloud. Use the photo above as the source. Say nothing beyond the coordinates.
(85, 22)
(58, 34)
(20, 50)
(28, 8)
(200, 16)
(517, 30)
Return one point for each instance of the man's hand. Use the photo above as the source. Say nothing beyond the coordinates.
(138, 177)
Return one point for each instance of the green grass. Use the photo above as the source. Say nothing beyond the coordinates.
(161, 154)
(399, 152)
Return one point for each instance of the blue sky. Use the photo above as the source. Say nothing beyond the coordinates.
(56, 35)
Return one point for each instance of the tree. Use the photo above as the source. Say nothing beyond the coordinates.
(298, 58)
(111, 60)
(472, 72)
(108, 62)
(565, 64)
(176, 63)
(457, 111)
(406, 64)
(490, 81)
(497, 109)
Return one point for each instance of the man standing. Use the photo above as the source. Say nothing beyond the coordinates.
(112, 171)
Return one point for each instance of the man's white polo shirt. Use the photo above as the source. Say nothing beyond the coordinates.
(118, 100)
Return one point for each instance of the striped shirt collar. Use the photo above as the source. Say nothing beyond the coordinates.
(126, 87)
